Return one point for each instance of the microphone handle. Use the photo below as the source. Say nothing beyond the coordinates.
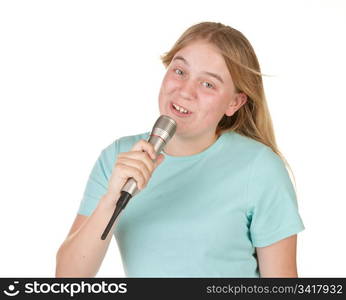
(123, 200)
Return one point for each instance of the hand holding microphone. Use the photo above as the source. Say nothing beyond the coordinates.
(139, 163)
(133, 169)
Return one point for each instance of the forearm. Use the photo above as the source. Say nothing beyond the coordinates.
(82, 253)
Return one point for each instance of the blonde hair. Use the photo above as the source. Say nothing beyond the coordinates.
(253, 118)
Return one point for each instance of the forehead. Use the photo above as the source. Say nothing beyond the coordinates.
(204, 56)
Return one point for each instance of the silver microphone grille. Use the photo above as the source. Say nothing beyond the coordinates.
(164, 127)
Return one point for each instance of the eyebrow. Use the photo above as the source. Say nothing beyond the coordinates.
(218, 77)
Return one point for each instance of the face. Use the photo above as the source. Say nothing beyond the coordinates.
(198, 81)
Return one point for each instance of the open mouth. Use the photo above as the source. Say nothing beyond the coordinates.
(180, 111)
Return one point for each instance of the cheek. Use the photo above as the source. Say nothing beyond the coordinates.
(212, 106)
(208, 102)
(169, 83)
(168, 86)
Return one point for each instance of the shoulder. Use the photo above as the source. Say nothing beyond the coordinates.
(266, 169)
(245, 143)
(249, 150)
(256, 148)
(259, 158)
(124, 143)
(109, 153)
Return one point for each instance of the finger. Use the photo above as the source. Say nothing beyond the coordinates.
(138, 164)
(128, 171)
(143, 145)
(139, 155)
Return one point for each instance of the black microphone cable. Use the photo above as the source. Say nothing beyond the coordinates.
(122, 202)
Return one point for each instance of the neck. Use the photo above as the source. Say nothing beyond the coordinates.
(184, 146)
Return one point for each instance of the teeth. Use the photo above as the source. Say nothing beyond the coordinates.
(182, 110)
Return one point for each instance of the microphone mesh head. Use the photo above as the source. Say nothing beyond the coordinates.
(165, 127)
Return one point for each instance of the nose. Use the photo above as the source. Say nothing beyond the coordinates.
(188, 89)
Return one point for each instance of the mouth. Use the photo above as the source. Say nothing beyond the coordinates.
(179, 110)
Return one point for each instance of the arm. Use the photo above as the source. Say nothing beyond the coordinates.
(83, 251)
(278, 259)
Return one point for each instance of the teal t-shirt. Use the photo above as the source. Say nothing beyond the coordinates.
(201, 215)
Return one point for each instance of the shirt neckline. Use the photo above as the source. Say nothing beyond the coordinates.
(212, 148)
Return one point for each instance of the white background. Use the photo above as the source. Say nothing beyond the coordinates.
(76, 75)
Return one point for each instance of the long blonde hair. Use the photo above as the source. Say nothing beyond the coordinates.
(253, 118)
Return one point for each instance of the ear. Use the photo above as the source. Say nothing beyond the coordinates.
(237, 102)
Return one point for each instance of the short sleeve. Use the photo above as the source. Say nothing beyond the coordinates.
(97, 184)
(274, 209)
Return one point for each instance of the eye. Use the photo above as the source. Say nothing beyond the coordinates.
(178, 71)
(207, 85)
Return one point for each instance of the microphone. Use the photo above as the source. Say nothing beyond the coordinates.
(163, 130)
